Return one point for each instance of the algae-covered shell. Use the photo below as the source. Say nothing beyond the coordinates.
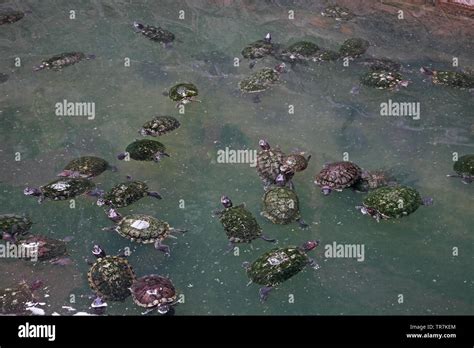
(354, 47)
(160, 125)
(453, 79)
(258, 49)
(268, 164)
(157, 34)
(14, 300)
(324, 55)
(87, 166)
(62, 60)
(183, 91)
(301, 50)
(14, 224)
(153, 291)
(393, 202)
(277, 265)
(337, 12)
(66, 188)
(281, 205)
(41, 247)
(126, 193)
(142, 228)
(145, 149)
(464, 165)
(259, 81)
(381, 79)
(239, 224)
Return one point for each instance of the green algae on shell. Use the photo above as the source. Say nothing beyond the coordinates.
(239, 224)
(281, 205)
(145, 150)
(453, 79)
(159, 125)
(381, 79)
(183, 91)
(354, 47)
(126, 193)
(258, 49)
(13, 224)
(259, 81)
(337, 12)
(393, 202)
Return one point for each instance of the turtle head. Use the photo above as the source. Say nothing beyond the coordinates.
(280, 179)
(426, 71)
(98, 303)
(163, 309)
(263, 143)
(101, 202)
(98, 252)
(280, 68)
(310, 245)
(326, 190)
(268, 38)
(31, 191)
(143, 132)
(138, 26)
(121, 156)
(114, 215)
(226, 202)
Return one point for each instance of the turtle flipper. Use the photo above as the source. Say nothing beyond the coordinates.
(264, 292)
(303, 225)
(162, 247)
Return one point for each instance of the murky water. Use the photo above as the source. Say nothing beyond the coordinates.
(412, 257)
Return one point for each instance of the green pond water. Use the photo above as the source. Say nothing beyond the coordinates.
(412, 256)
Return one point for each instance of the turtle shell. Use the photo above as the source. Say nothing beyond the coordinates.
(302, 50)
(324, 55)
(281, 205)
(277, 265)
(337, 12)
(453, 79)
(62, 60)
(259, 81)
(393, 202)
(111, 278)
(381, 79)
(143, 228)
(182, 91)
(338, 175)
(66, 188)
(14, 224)
(144, 150)
(88, 166)
(296, 161)
(126, 193)
(354, 47)
(240, 225)
(373, 180)
(464, 165)
(157, 34)
(7, 17)
(45, 248)
(258, 49)
(160, 125)
(153, 290)
(13, 300)
(268, 164)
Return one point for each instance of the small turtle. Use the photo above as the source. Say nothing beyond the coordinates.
(281, 204)
(464, 168)
(262, 79)
(354, 47)
(144, 150)
(42, 248)
(13, 225)
(337, 176)
(157, 34)
(62, 60)
(239, 224)
(450, 78)
(142, 228)
(296, 161)
(371, 180)
(10, 16)
(126, 193)
(110, 277)
(383, 79)
(159, 125)
(183, 93)
(381, 64)
(18, 299)
(86, 167)
(392, 202)
(269, 161)
(154, 292)
(278, 265)
(62, 189)
(259, 49)
(299, 51)
(339, 13)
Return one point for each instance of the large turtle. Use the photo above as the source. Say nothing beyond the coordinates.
(42, 248)
(157, 34)
(239, 224)
(278, 265)
(262, 79)
(450, 78)
(126, 193)
(16, 300)
(337, 176)
(371, 180)
(110, 277)
(281, 204)
(464, 168)
(258, 49)
(392, 202)
(269, 161)
(142, 228)
(13, 225)
(383, 79)
(183, 93)
(298, 52)
(10, 16)
(62, 189)
(159, 125)
(86, 167)
(62, 60)
(337, 12)
(144, 150)
(354, 47)
(154, 292)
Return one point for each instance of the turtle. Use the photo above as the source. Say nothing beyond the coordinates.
(183, 93)
(144, 150)
(16, 300)
(62, 189)
(126, 193)
(392, 202)
(143, 229)
(262, 79)
(269, 161)
(324, 55)
(159, 125)
(337, 176)
(299, 51)
(296, 161)
(381, 64)
(42, 248)
(278, 265)
(110, 277)
(259, 49)
(450, 78)
(337, 12)
(371, 180)
(281, 204)
(239, 223)
(62, 60)
(354, 47)
(86, 167)
(464, 168)
(383, 79)
(154, 292)
(13, 225)
(10, 16)
(157, 34)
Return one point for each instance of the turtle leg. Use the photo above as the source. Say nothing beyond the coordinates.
(252, 64)
(291, 185)
(303, 225)
(41, 199)
(313, 264)
(264, 292)
(180, 230)
(154, 194)
(466, 179)
(267, 239)
(162, 247)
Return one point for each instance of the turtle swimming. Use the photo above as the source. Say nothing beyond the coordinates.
(159, 125)
(157, 34)
(269, 161)
(258, 49)
(278, 265)
(154, 292)
(10, 16)
(144, 150)
(16, 300)
(126, 193)
(383, 79)
(86, 167)
(464, 168)
(183, 93)
(42, 248)
(62, 189)
(455, 79)
(262, 79)
(14, 225)
(337, 176)
(63, 60)
(354, 47)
